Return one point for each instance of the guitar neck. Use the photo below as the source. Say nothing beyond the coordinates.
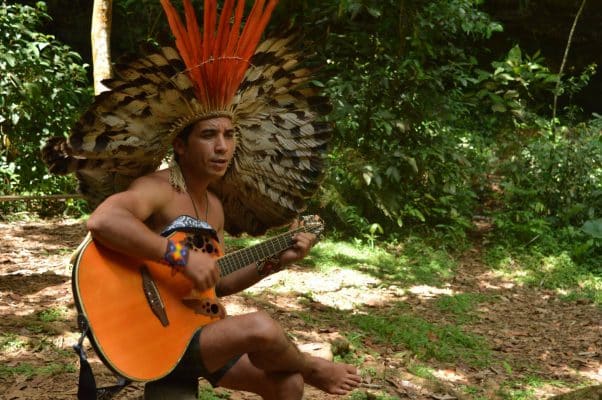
(241, 258)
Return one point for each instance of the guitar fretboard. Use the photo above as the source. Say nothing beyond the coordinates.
(236, 260)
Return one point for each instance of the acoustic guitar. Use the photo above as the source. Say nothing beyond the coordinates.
(140, 314)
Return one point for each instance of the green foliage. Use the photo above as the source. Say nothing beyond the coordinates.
(525, 389)
(421, 371)
(42, 87)
(52, 314)
(11, 342)
(551, 263)
(29, 370)
(593, 228)
(150, 25)
(543, 179)
(425, 339)
(517, 85)
(207, 392)
(410, 262)
(397, 161)
(550, 191)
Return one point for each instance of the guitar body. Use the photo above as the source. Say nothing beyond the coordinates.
(116, 294)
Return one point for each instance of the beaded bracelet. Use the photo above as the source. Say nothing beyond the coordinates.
(176, 255)
(268, 266)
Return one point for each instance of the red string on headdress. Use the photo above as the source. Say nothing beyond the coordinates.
(218, 58)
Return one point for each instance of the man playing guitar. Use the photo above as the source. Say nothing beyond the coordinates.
(245, 352)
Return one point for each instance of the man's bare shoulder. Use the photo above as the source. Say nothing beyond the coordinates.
(160, 178)
(154, 187)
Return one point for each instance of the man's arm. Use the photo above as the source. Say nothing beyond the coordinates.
(118, 221)
(248, 276)
(118, 224)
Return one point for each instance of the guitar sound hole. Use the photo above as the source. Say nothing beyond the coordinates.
(198, 241)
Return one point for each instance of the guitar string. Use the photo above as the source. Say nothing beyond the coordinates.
(243, 257)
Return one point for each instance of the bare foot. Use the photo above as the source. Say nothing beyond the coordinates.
(331, 377)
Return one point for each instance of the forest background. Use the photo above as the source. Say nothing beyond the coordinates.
(455, 121)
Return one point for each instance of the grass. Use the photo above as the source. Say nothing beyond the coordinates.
(548, 268)
(421, 371)
(460, 305)
(413, 262)
(10, 342)
(524, 389)
(29, 370)
(52, 314)
(206, 392)
(442, 342)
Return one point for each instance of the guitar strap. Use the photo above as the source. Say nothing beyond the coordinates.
(87, 389)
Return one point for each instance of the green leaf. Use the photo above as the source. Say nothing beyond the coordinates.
(593, 228)
(498, 107)
(376, 13)
(515, 54)
(367, 177)
(412, 162)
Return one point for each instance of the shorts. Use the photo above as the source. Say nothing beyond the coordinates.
(191, 367)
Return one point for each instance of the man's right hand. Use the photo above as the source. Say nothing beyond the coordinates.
(202, 270)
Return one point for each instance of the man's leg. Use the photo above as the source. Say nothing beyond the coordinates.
(270, 386)
(269, 350)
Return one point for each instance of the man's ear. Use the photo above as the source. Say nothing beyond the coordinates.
(178, 146)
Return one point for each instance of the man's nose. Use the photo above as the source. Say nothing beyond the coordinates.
(220, 143)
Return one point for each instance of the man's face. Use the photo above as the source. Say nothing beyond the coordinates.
(208, 149)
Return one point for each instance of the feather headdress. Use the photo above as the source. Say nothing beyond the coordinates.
(220, 70)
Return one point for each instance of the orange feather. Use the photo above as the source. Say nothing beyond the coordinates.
(218, 58)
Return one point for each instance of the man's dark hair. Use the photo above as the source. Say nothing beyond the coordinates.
(183, 135)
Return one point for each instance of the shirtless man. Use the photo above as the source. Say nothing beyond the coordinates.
(248, 352)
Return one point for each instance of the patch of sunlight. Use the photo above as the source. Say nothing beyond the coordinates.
(349, 299)
(450, 376)
(315, 282)
(593, 374)
(494, 280)
(235, 305)
(426, 291)
(512, 278)
(340, 288)
(23, 312)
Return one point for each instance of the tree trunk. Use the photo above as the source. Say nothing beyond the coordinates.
(101, 43)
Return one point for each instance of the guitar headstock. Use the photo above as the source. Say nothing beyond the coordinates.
(313, 224)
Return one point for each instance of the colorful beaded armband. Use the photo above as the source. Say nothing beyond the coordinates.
(268, 266)
(176, 255)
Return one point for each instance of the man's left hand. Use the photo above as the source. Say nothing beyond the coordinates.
(303, 242)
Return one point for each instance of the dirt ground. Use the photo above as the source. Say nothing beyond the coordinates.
(542, 335)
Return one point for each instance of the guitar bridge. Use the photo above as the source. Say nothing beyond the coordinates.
(152, 296)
